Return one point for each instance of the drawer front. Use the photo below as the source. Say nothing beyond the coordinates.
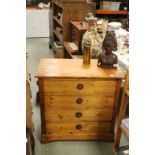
(79, 86)
(78, 128)
(78, 101)
(78, 115)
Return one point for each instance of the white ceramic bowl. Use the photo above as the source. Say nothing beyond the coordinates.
(115, 25)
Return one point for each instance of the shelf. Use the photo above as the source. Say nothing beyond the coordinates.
(58, 35)
(71, 53)
(59, 4)
(57, 20)
(110, 12)
(58, 51)
(68, 48)
(55, 48)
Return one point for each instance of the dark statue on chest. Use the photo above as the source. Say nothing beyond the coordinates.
(107, 59)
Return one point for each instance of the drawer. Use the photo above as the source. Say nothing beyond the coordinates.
(78, 115)
(78, 101)
(79, 86)
(78, 128)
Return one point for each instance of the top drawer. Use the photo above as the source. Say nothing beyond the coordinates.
(79, 86)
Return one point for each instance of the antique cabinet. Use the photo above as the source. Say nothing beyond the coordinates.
(77, 102)
(77, 30)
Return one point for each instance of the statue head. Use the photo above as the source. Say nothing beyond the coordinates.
(109, 44)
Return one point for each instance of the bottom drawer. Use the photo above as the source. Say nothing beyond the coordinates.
(78, 128)
(45, 138)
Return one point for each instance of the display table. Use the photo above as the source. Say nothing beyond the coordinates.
(77, 102)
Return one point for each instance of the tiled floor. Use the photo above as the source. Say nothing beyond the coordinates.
(36, 49)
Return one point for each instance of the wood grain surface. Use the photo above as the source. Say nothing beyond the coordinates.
(58, 101)
(72, 86)
(86, 127)
(52, 137)
(61, 115)
(73, 68)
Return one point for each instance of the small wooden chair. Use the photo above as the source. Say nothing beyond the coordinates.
(122, 125)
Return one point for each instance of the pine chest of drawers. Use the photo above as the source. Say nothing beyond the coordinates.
(77, 102)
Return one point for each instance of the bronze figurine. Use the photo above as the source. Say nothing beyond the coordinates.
(107, 59)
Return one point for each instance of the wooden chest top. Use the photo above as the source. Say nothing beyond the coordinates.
(74, 68)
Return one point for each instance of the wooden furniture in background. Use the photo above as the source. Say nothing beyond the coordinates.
(63, 12)
(78, 28)
(69, 53)
(120, 128)
(77, 31)
(28, 103)
(29, 125)
(78, 102)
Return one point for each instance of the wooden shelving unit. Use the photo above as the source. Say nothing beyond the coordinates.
(57, 20)
(58, 51)
(58, 35)
(63, 12)
(110, 12)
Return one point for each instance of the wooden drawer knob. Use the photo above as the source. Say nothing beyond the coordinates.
(78, 126)
(51, 98)
(80, 86)
(78, 114)
(79, 100)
